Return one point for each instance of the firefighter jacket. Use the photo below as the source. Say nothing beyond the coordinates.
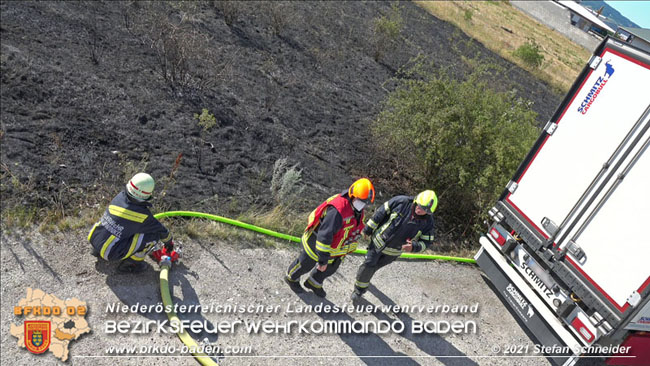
(337, 227)
(395, 222)
(126, 220)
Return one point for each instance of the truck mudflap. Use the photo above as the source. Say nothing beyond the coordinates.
(547, 332)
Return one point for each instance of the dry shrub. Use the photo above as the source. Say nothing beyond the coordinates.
(183, 52)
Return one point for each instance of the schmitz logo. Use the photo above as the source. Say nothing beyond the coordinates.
(519, 299)
(536, 280)
(596, 88)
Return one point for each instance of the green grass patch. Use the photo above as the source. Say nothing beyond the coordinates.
(531, 54)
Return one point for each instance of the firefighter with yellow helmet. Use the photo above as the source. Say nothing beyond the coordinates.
(333, 230)
(402, 224)
(127, 231)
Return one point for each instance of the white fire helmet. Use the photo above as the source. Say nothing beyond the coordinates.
(140, 186)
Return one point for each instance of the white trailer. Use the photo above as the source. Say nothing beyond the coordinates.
(568, 250)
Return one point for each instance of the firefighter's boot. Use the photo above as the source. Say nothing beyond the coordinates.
(131, 266)
(318, 289)
(94, 252)
(294, 285)
(356, 296)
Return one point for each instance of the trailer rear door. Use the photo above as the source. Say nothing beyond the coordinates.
(566, 190)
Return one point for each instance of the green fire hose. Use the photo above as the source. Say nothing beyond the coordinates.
(204, 359)
(294, 238)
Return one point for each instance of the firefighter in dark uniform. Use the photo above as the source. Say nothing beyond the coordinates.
(402, 224)
(127, 230)
(333, 230)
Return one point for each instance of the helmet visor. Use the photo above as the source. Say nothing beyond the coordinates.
(426, 209)
(359, 204)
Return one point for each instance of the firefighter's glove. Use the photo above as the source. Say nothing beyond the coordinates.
(367, 231)
(162, 255)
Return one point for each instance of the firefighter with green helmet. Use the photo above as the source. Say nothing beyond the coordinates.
(402, 224)
(127, 230)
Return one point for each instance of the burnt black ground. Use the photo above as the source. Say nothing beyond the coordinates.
(83, 105)
(303, 85)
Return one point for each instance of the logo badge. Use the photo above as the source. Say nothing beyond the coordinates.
(37, 335)
(596, 88)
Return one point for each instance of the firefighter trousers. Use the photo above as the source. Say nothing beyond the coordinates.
(304, 263)
(113, 249)
(375, 259)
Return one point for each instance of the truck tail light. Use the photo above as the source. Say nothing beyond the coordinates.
(582, 329)
(497, 236)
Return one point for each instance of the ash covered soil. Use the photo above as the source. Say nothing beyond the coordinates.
(86, 101)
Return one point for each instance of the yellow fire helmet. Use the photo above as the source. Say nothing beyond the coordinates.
(427, 200)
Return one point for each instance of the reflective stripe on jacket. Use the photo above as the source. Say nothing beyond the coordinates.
(126, 222)
(395, 221)
(344, 228)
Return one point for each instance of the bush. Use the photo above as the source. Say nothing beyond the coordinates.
(468, 14)
(206, 119)
(459, 138)
(386, 31)
(286, 182)
(182, 49)
(530, 54)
